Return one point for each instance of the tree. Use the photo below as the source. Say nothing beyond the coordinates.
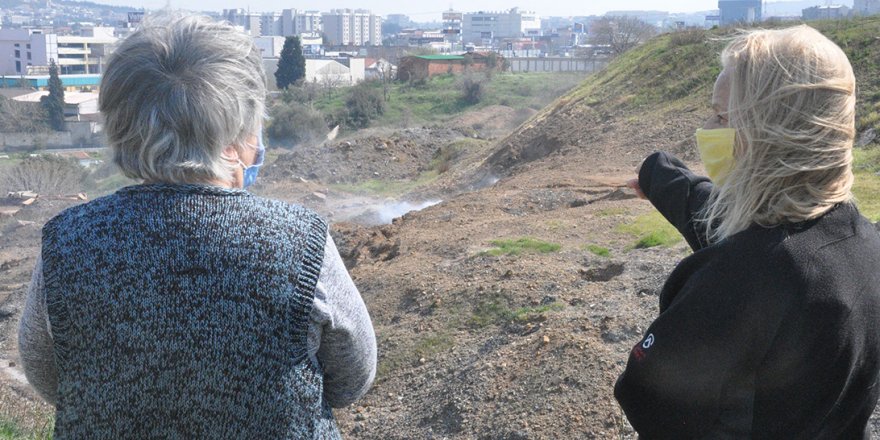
(364, 104)
(54, 103)
(291, 65)
(621, 33)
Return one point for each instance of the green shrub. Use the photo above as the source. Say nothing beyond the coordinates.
(295, 123)
(364, 104)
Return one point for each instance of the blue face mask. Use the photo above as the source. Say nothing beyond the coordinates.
(250, 172)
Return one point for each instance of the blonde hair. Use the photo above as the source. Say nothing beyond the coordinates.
(792, 104)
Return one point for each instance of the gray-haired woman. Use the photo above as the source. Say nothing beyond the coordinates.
(187, 307)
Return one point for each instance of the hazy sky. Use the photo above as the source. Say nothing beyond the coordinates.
(429, 10)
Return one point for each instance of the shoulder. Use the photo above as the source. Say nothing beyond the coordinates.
(291, 212)
(752, 266)
(89, 211)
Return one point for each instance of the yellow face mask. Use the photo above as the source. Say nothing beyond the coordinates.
(716, 152)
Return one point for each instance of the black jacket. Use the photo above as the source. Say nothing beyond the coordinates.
(773, 333)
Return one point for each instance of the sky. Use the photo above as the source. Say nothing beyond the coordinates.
(430, 10)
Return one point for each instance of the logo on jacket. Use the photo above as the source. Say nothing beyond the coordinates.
(638, 351)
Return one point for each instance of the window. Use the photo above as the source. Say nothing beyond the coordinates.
(18, 53)
(29, 55)
(18, 66)
(16, 45)
(27, 45)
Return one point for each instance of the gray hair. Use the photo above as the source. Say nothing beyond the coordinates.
(176, 93)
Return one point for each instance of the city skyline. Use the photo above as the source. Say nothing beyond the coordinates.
(430, 11)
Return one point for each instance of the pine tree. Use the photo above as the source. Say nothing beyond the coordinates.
(291, 65)
(54, 103)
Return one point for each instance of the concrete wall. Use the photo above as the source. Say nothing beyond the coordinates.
(40, 140)
(555, 64)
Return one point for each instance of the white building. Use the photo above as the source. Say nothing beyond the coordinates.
(28, 51)
(76, 104)
(85, 54)
(348, 27)
(327, 72)
(866, 7)
(269, 46)
(484, 27)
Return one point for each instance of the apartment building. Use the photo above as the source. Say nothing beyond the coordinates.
(348, 27)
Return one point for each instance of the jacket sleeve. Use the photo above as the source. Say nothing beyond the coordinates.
(677, 193)
(35, 343)
(346, 343)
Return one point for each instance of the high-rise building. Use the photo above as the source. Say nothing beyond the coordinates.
(452, 26)
(485, 27)
(270, 24)
(240, 17)
(348, 27)
(866, 7)
(308, 22)
(295, 22)
(740, 11)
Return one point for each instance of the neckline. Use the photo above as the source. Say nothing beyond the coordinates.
(182, 188)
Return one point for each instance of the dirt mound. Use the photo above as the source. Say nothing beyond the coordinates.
(383, 154)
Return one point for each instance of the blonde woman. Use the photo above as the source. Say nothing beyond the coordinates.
(771, 329)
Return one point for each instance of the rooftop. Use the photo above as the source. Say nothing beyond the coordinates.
(441, 57)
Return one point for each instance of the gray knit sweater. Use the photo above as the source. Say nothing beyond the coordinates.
(337, 336)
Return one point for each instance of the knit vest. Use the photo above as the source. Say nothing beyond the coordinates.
(182, 312)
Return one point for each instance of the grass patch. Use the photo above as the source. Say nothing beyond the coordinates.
(497, 312)
(433, 344)
(599, 250)
(651, 230)
(9, 430)
(866, 189)
(438, 99)
(425, 347)
(520, 245)
(610, 212)
(388, 188)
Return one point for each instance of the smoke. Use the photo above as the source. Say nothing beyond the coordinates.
(387, 212)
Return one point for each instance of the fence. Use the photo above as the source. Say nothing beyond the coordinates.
(560, 64)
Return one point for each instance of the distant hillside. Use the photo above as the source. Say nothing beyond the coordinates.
(658, 93)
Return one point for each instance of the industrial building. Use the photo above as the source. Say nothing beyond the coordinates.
(740, 11)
